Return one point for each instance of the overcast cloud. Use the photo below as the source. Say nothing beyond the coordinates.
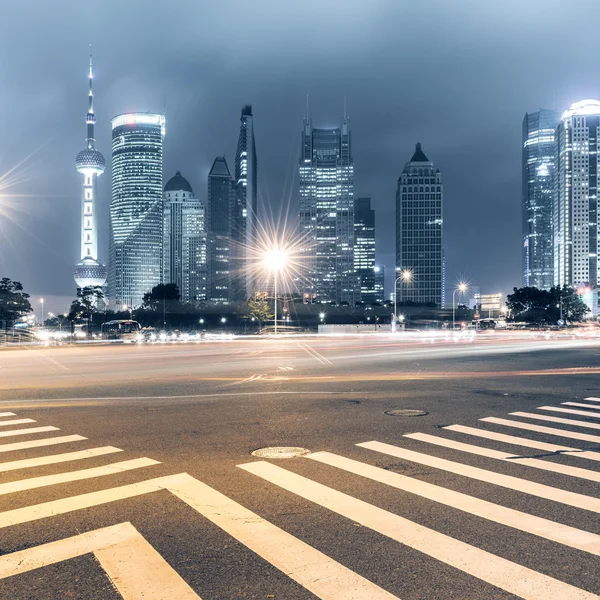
(456, 75)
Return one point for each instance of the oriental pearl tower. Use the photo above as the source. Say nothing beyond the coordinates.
(89, 272)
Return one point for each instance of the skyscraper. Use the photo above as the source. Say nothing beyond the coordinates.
(89, 271)
(136, 207)
(539, 163)
(184, 240)
(364, 248)
(575, 209)
(247, 209)
(222, 204)
(326, 172)
(419, 229)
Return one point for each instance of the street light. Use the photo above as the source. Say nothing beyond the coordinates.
(42, 302)
(223, 320)
(406, 276)
(275, 261)
(130, 309)
(461, 288)
(322, 316)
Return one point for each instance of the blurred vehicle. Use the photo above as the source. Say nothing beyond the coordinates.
(126, 330)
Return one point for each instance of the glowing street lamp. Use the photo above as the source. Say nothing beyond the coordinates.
(322, 316)
(406, 276)
(461, 288)
(130, 309)
(274, 261)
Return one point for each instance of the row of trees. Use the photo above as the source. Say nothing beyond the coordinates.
(528, 304)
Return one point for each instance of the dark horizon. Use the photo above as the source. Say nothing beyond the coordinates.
(459, 80)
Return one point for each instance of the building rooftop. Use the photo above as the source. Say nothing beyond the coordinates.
(419, 155)
(220, 168)
(178, 183)
(585, 107)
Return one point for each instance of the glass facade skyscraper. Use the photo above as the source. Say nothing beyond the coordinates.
(246, 182)
(136, 214)
(184, 240)
(326, 173)
(419, 231)
(364, 249)
(575, 207)
(223, 269)
(539, 165)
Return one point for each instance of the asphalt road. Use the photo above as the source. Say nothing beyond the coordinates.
(163, 499)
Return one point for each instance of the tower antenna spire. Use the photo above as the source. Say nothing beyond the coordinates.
(307, 117)
(90, 118)
(344, 107)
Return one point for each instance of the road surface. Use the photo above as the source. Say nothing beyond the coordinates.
(126, 471)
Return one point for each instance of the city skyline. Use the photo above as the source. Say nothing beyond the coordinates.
(484, 186)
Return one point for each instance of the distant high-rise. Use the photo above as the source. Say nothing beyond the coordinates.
(379, 284)
(539, 163)
(184, 240)
(245, 229)
(326, 171)
(364, 249)
(89, 271)
(223, 269)
(575, 208)
(419, 229)
(136, 214)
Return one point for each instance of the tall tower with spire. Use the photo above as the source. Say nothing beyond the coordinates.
(89, 272)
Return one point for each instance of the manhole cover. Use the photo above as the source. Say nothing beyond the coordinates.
(406, 412)
(280, 452)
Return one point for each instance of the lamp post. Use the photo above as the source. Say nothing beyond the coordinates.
(130, 309)
(461, 288)
(406, 276)
(42, 303)
(274, 261)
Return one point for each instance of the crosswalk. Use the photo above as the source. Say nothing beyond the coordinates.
(137, 570)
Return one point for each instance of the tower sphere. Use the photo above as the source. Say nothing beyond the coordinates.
(90, 160)
(89, 273)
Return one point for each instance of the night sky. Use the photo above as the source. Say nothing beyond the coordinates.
(455, 75)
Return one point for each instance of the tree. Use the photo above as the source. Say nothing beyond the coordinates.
(543, 306)
(161, 295)
(259, 309)
(14, 302)
(86, 304)
(573, 307)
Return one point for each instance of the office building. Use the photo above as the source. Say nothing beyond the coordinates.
(326, 187)
(539, 163)
(246, 182)
(184, 240)
(575, 208)
(379, 284)
(136, 214)
(364, 248)
(419, 231)
(223, 267)
(89, 271)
